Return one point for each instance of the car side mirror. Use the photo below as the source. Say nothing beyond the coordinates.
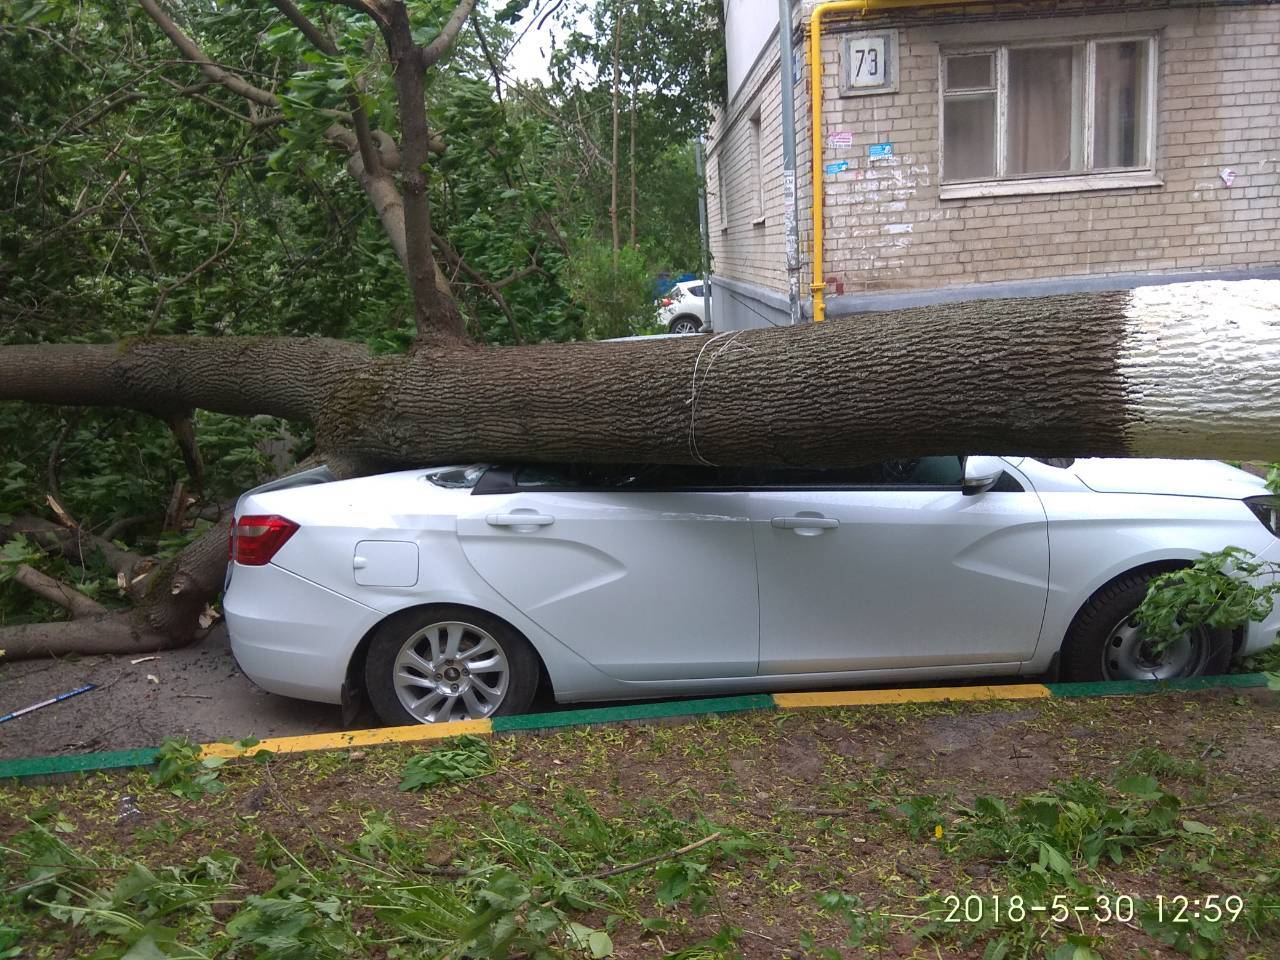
(981, 474)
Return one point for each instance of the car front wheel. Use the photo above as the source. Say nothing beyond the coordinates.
(437, 664)
(1107, 643)
(685, 325)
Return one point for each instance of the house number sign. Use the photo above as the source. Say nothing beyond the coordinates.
(868, 63)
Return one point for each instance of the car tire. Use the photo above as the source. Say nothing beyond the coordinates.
(416, 643)
(685, 323)
(1104, 642)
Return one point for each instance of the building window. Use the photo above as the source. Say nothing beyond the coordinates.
(722, 195)
(1052, 110)
(757, 166)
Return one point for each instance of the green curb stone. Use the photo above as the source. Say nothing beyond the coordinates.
(639, 711)
(76, 763)
(1112, 687)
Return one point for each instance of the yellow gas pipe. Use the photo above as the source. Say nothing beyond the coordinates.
(818, 285)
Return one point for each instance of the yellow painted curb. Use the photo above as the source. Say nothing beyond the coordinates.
(354, 738)
(858, 698)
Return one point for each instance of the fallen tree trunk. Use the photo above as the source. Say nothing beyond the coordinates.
(1179, 370)
(1188, 370)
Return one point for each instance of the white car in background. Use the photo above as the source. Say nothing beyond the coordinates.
(452, 593)
(684, 308)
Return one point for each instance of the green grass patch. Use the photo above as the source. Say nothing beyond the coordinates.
(1137, 824)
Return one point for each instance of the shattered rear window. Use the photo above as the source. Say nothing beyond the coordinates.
(459, 478)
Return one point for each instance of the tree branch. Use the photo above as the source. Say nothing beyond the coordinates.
(55, 591)
(435, 311)
(488, 56)
(54, 467)
(184, 432)
(236, 84)
(74, 543)
(492, 289)
(373, 11)
(443, 40)
(170, 375)
(656, 858)
(192, 274)
(318, 38)
(103, 633)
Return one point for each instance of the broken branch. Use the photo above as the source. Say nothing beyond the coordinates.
(55, 591)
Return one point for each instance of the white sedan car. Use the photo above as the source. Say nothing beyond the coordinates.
(452, 593)
(684, 309)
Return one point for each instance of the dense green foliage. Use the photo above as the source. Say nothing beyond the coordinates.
(533, 887)
(140, 198)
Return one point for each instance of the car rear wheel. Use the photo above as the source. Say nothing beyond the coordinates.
(438, 664)
(1107, 643)
(685, 324)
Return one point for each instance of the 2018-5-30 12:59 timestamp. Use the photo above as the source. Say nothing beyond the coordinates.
(1118, 908)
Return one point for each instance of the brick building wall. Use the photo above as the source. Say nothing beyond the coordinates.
(748, 244)
(888, 227)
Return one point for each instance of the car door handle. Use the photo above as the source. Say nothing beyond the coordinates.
(519, 519)
(805, 523)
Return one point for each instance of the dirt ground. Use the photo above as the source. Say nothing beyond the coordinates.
(823, 796)
(200, 694)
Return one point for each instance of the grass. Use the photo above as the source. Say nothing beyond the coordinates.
(919, 831)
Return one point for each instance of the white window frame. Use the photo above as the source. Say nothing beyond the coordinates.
(722, 194)
(1003, 184)
(755, 134)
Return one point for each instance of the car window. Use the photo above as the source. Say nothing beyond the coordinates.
(696, 292)
(604, 476)
(922, 471)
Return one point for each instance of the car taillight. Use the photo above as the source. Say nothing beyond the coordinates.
(667, 301)
(257, 539)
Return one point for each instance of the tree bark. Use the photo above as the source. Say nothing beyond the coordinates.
(617, 82)
(631, 159)
(1154, 371)
(435, 313)
(631, 169)
(65, 596)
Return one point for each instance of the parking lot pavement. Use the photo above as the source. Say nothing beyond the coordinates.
(197, 692)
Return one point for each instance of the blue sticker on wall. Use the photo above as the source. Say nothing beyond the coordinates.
(878, 151)
(838, 167)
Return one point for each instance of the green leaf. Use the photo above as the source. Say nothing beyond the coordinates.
(673, 882)
(462, 758)
(1195, 826)
(1146, 788)
(136, 881)
(1053, 859)
(145, 949)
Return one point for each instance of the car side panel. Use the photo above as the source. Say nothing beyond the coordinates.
(334, 518)
(1094, 538)
(292, 636)
(644, 585)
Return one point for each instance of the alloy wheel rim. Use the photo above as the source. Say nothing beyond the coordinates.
(1129, 655)
(451, 671)
(684, 326)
